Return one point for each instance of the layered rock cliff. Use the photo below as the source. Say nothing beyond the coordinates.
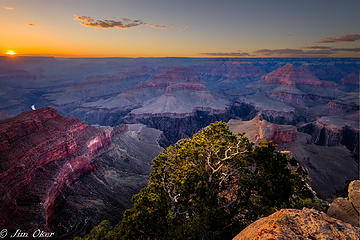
(326, 133)
(55, 172)
(258, 129)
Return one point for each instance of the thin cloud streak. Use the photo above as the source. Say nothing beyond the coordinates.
(156, 26)
(317, 47)
(343, 38)
(8, 8)
(315, 51)
(227, 54)
(320, 51)
(291, 52)
(347, 49)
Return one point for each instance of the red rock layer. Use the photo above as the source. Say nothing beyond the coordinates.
(291, 75)
(42, 153)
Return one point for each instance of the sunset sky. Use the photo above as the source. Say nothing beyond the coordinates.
(182, 28)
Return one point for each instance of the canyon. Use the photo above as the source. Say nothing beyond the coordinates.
(100, 122)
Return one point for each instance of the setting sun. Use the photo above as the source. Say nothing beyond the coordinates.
(10, 52)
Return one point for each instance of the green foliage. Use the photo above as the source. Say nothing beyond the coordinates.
(98, 232)
(211, 187)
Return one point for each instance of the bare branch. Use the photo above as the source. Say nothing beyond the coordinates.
(229, 203)
(179, 213)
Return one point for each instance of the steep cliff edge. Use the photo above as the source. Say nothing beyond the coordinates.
(326, 132)
(299, 224)
(55, 172)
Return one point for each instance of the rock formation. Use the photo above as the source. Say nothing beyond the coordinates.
(299, 224)
(347, 209)
(61, 175)
(258, 129)
(329, 175)
(325, 132)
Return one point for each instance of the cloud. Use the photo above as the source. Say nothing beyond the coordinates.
(315, 51)
(180, 29)
(291, 52)
(31, 24)
(121, 24)
(226, 54)
(317, 47)
(343, 38)
(346, 49)
(8, 8)
(307, 51)
(156, 26)
(124, 23)
(334, 49)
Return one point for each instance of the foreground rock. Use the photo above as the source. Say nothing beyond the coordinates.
(347, 209)
(60, 175)
(299, 224)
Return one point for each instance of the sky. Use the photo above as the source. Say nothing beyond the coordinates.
(182, 28)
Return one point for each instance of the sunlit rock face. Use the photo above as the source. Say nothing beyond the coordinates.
(56, 172)
(299, 224)
(259, 129)
(347, 209)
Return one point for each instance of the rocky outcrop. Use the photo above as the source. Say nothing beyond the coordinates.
(329, 175)
(324, 133)
(335, 107)
(299, 224)
(347, 209)
(55, 172)
(258, 129)
(354, 194)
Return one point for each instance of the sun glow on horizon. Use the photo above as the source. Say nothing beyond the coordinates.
(10, 52)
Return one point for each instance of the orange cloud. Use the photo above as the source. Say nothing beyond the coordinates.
(31, 24)
(156, 26)
(8, 8)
